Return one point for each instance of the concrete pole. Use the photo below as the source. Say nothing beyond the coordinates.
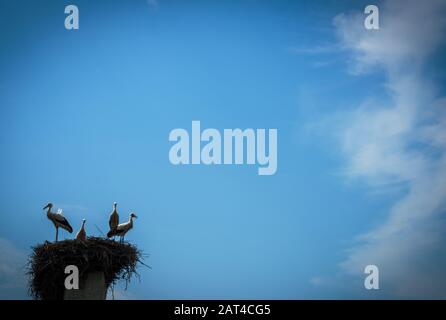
(91, 287)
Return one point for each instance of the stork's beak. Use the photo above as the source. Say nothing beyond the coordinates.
(46, 207)
(135, 216)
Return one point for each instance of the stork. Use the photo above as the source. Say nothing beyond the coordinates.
(82, 235)
(57, 219)
(122, 228)
(114, 218)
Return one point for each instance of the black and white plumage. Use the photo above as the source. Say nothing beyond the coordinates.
(57, 219)
(82, 235)
(122, 228)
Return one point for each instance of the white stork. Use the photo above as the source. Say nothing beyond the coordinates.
(114, 218)
(58, 219)
(122, 228)
(82, 235)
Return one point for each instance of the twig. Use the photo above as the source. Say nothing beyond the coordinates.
(100, 231)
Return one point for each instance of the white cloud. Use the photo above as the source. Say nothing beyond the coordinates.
(154, 4)
(12, 271)
(410, 31)
(317, 281)
(400, 141)
(317, 49)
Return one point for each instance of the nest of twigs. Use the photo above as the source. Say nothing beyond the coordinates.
(47, 264)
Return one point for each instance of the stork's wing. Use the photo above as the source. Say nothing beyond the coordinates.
(63, 222)
(121, 226)
(113, 221)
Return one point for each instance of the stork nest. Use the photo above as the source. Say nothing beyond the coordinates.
(47, 264)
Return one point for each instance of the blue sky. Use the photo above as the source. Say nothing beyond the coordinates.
(86, 114)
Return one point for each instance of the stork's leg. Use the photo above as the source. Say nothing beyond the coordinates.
(57, 233)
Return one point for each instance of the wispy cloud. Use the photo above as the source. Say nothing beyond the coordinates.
(317, 49)
(153, 4)
(12, 271)
(323, 54)
(318, 281)
(401, 140)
